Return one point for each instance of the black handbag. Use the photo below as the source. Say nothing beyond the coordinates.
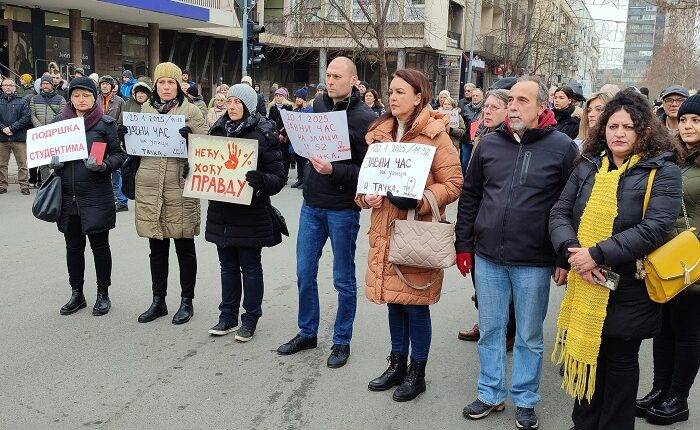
(279, 224)
(48, 200)
(129, 169)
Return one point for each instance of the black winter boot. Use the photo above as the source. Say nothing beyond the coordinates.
(157, 309)
(413, 384)
(102, 304)
(184, 314)
(392, 376)
(655, 396)
(76, 302)
(670, 411)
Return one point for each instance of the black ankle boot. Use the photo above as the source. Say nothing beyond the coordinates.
(76, 302)
(670, 411)
(655, 396)
(413, 384)
(102, 304)
(392, 376)
(184, 314)
(157, 309)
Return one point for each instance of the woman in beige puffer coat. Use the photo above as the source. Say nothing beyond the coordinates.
(162, 213)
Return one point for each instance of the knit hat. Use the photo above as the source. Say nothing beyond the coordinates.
(95, 77)
(127, 74)
(283, 92)
(674, 89)
(247, 80)
(46, 77)
(193, 91)
(83, 83)
(246, 94)
(26, 78)
(167, 70)
(301, 93)
(690, 105)
(321, 86)
(108, 79)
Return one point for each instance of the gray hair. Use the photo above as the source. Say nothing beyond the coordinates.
(542, 91)
(469, 85)
(500, 94)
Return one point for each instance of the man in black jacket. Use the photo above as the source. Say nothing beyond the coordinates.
(329, 210)
(15, 119)
(514, 178)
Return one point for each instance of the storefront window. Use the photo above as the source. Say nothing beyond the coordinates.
(135, 54)
(23, 53)
(58, 50)
(61, 21)
(20, 14)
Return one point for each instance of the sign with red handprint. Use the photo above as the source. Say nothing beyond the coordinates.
(218, 166)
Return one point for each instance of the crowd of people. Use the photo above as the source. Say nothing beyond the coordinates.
(549, 184)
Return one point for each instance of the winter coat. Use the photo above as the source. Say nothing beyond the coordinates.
(378, 110)
(630, 312)
(382, 284)
(14, 113)
(261, 109)
(691, 193)
(250, 226)
(337, 190)
(472, 112)
(276, 116)
(62, 89)
(44, 107)
(457, 133)
(214, 114)
(509, 189)
(197, 101)
(91, 191)
(161, 210)
(25, 91)
(566, 122)
(115, 106)
(125, 89)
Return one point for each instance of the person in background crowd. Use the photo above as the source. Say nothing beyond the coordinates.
(43, 108)
(87, 206)
(111, 103)
(362, 86)
(552, 90)
(186, 79)
(564, 106)
(442, 95)
(256, 87)
(241, 231)
(79, 72)
(281, 102)
(300, 105)
(15, 119)
(410, 119)
(450, 108)
(473, 109)
(26, 87)
(320, 91)
(221, 89)
(598, 223)
(593, 108)
(162, 213)
(645, 92)
(128, 82)
(502, 218)
(610, 88)
(115, 86)
(371, 99)
(677, 345)
(464, 101)
(193, 96)
(260, 107)
(59, 84)
(216, 111)
(329, 210)
(672, 98)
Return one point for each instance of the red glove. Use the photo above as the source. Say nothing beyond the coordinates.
(464, 262)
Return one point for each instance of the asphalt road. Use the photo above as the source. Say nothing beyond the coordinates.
(111, 372)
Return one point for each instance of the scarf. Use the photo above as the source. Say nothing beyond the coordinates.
(564, 114)
(583, 310)
(91, 117)
(164, 107)
(105, 101)
(236, 128)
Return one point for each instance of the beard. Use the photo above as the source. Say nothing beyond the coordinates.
(518, 126)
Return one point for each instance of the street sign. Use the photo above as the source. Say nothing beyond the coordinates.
(450, 61)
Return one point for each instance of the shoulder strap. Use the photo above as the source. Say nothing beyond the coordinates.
(647, 193)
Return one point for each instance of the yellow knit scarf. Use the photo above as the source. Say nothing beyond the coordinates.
(583, 310)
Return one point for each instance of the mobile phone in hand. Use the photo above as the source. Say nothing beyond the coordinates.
(611, 280)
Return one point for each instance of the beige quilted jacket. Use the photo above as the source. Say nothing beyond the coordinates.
(382, 285)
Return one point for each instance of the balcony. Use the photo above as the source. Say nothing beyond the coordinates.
(454, 39)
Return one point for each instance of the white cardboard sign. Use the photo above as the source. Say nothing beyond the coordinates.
(454, 119)
(154, 135)
(401, 168)
(65, 139)
(324, 135)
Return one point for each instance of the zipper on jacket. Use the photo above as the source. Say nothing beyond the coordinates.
(525, 167)
(505, 212)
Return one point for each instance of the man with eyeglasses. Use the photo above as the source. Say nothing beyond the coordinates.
(672, 98)
(15, 119)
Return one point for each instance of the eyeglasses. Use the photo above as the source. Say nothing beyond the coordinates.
(675, 100)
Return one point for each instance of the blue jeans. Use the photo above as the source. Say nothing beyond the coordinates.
(465, 153)
(117, 187)
(315, 227)
(529, 289)
(235, 262)
(409, 325)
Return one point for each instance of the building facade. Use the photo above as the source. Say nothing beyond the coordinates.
(643, 37)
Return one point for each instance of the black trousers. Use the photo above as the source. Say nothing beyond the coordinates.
(301, 162)
(510, 328)
(187, 259)
(677, 346)
(617, 380)
(75, 255)
(241, 272)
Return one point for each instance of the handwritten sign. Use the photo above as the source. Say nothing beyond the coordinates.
(324, 135)
(65, 139)
(218, 166)
(154, 135)
(401, 168)
(454, 119)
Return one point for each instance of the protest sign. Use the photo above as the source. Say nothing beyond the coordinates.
(218, 166)
(65, 139)
(154, 135)
(324, 135)
(454, 119)
(401, 168)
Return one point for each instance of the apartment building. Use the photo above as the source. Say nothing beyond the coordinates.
(644, 36)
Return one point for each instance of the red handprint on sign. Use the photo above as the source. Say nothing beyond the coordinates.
(233, 153)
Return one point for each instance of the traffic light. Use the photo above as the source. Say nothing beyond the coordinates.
(255, 55)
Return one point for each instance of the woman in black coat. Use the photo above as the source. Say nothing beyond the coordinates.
(630, 139)
(564, 106)
(88, 199)
(241, 231)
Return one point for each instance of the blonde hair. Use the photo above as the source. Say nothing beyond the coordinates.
(451, 101)
(584, 128)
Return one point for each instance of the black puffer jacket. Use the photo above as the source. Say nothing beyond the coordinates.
(566, 123)
(337, 190)
(230, 224)
(89, 194)
(508, 191)
(14, 113)
(631, 314)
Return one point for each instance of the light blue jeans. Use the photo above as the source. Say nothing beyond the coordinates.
(529, 289)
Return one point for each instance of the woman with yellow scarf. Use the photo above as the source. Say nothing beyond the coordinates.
(597, 226)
